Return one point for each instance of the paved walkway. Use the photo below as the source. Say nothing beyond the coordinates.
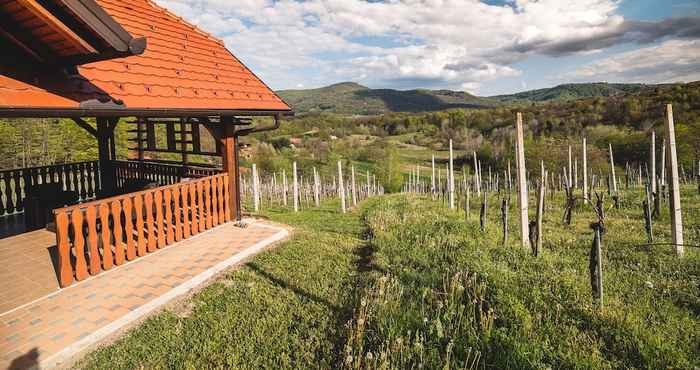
(27, 268)
(54, 328)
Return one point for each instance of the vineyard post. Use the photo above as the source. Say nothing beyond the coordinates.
(570, 175)
(317, 190)
(432, 178)
(585, 173)
(653, 162)
(674, 186)
(295, 190)
(663, 163)
(256, 189)
(285, 191)
(354, 191)
(612, 170)
(451, 180)
(476, 177)
(522, 185)
(341, 186)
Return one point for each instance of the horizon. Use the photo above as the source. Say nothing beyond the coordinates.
(486, 48)
(488, 96)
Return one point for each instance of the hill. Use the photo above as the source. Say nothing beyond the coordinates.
(355, 99)
(572, 92)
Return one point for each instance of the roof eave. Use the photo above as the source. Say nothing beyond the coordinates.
(135, 112)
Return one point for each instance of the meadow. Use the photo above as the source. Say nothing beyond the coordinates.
(403, 282)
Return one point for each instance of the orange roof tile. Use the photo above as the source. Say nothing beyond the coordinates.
(182, 68)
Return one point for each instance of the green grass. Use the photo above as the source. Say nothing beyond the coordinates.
(403, 282)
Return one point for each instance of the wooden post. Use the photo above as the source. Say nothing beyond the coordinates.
(540, 211)
(451, 179)
(652, 154)
(432, 177)
(522, 182)
(295, 187)
(585, 172)
(285, 188)
(571, 174)
(229, 158)
(317, 189)
(612, 170)
(663, 163)
(674, 186)
(354, 190)
(107, 178)
(596, 267)
(256, 190)
(341, 186)
(477, 186)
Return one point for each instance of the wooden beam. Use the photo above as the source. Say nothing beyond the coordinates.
(107, 179)
(86, 126)
(229, 157)
(55, 24)
(21, 45)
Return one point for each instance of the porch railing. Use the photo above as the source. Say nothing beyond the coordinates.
(163, 174)
(80, 177)
(96, 236)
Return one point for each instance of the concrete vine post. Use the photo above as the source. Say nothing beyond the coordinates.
(432, 178)
(522, 182)
(612, 170)
(295, 187)
(674, 186)
(285, 190)
(477, 181)
(341, 186)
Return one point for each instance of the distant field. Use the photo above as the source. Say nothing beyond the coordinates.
(403, 282)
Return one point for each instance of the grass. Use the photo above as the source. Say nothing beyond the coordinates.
(403, 282)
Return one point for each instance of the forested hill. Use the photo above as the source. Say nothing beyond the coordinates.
(354, 99)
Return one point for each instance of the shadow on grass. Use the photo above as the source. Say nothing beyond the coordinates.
(298, 291)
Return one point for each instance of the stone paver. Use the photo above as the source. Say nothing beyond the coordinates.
(55, 327)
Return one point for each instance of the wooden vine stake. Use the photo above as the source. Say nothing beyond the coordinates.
(256, 190)
(522, 182)
(652, 154)
(451, 179)
(674, 186)
(585, 172)
(595, 265)
(295, 187)
(432, 178)
(341, 187)
(317, 189)
(353, 189)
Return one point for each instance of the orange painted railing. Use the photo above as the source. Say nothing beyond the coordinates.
(96, 236)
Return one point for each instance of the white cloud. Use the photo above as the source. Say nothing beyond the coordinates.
(671, 61)
(431, 43)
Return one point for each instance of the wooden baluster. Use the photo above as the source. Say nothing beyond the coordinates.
(95, 260)
(170, 236)
(81, 271)
(201, 206)
(148, 200)
(117, 232)
(14, 198)
(129, 229)
(107, 260)
(220, 195)
(207, 201)
(184, 190)
(227, 198)
(177, 213)
(83, 181)
(3, 193)
(65, 270)
(91, 179)
(158, 203)
(193, 208)
(215, 200)
(140, 238)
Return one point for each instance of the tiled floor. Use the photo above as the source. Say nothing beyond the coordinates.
(58, 325)
(26, 268)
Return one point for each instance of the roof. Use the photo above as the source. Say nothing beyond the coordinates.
(182, 69)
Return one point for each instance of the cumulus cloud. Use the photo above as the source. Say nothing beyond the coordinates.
(443, 43)
(671, 61)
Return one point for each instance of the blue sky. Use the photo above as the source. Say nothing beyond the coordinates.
(484, 47)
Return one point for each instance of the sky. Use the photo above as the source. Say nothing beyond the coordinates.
(485, 47)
